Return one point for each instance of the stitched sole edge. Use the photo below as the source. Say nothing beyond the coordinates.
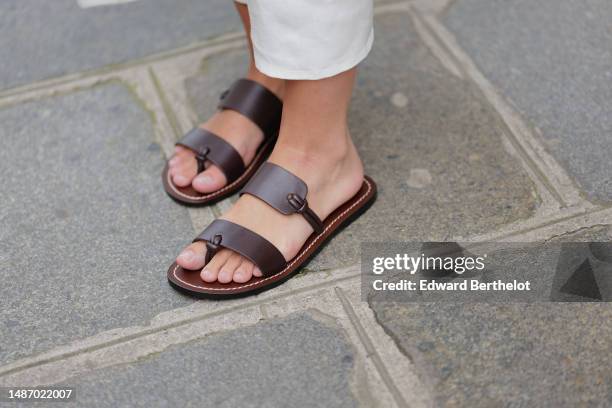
(300, 260)
(173, 191)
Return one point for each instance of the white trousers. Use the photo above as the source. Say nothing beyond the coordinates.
(309, 39)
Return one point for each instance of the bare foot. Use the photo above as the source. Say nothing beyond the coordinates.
(332, 179)
(244, 136)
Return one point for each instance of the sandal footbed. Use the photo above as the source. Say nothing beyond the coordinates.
(190, 282)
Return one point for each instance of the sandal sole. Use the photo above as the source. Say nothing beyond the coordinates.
(189, 196)
(189, 281)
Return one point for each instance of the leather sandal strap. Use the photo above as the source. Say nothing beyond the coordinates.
(283, 191)
(226, 234)
(255, 102)
(209, 146)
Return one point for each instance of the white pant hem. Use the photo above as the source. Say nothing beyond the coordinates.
(275, 71)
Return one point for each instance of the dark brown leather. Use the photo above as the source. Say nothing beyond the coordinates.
(190, 282)
(189, 196)
(226, 234)
(209, 146)
(283, 191)
(255, 102)
(212, 246)
(251, 100)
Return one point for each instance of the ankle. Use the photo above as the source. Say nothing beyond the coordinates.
(332, 176)
(325, 140)
(307, 154)
(317, 163)
(275, 85)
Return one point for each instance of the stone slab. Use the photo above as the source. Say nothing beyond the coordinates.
(434, 147)
(40, 40)
(215, 75)
(87, 231)
(294, 361)
(552, 59)
(428, 139)
(484, 355)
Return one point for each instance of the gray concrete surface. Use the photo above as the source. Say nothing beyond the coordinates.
(485, 355)
(480, 355)
(87, 232)
(294, 361)
(215, 75)
(40, 39)
(552, 59)
(433, 146)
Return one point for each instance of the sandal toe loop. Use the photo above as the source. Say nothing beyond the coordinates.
(201, 157)
(212, 246)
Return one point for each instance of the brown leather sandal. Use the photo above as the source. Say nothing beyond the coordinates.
(286, 193)
(256, 103)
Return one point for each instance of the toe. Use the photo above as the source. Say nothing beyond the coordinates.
(180, 155)
(184, 172)
(193, 256)
(211, 270)
(226, 273)
(244, 272)
(209, 180)
(257, 272)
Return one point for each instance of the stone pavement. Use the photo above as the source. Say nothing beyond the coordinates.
(478, 119)
(71, 39)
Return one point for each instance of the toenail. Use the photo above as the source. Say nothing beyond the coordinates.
(205, 179)
(207, 274)
(239, 274)
(187, 255)
(173, 161)
(180, 179)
